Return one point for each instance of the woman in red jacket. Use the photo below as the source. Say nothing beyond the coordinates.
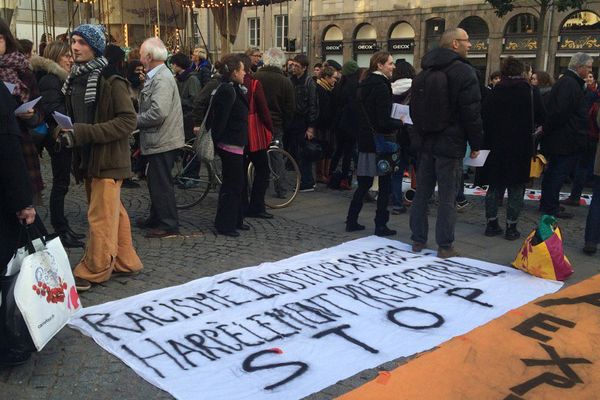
(260, 128)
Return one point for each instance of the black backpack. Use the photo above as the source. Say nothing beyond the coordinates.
(430, 100)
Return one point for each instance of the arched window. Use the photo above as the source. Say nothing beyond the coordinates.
(401, 42)
(332, 46)
(475, 27)
(333, 33)
(521, 24)
(433, 31)
(365, 44)
(581, 21)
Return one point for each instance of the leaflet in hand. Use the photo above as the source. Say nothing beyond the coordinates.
(401, 112)
(10, 86)
(479, 161)
(64, 121)
(23, 108)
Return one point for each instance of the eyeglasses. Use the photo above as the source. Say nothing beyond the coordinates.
(463, 40)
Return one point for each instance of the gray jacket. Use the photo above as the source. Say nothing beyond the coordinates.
(160, 119)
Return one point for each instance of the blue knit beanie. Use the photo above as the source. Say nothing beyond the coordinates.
(93, 35)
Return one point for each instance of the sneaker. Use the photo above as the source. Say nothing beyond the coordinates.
(82, 285)
(447, 252)
(569, 201)
(399, 210)
(418, 247)
(590, 249)
(160, 233)
(307, 189)
(462, 205)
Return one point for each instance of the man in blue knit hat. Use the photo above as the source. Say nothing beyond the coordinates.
(103, 118)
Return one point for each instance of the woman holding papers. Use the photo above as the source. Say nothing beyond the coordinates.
(51, 72)
(15, 70)
(511, 112)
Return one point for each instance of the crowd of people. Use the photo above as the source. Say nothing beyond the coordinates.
(337, 122)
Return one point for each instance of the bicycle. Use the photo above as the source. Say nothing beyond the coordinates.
(284, 177)
(193, 179)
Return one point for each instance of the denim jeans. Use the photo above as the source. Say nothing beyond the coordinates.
(514, 204)
(447, 173)
(557, 171)
(592, 225)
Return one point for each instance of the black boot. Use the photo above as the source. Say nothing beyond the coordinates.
(511, 232)
(353, 226)
(69, 240)
(75, 234)
(383, 230)
(493, 228)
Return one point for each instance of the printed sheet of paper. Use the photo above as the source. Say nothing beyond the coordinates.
(10, 86)
(64, 121)
(402, 112)
(479, 161)
(23, 108)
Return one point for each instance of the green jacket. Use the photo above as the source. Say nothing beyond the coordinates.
(108, 136)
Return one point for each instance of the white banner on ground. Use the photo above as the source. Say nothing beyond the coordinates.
(530, 194)
(286, 329)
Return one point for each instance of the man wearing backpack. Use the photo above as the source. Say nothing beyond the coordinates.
(445, 109)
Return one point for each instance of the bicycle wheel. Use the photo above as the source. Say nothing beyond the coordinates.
(284, 178)
(192, 179)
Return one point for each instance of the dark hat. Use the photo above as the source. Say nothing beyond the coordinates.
(334, 64)
(94, 37)
(349, 67)
(114, 54)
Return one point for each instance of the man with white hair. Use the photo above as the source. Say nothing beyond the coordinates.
(160, 121)
(565, 131)
(280, 95)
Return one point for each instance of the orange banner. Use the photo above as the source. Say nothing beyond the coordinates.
(547, 349)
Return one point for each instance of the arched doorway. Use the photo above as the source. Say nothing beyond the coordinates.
(401, 42)
(520, 37)
(478, 32)
(365, 44)
(332, 45)
(433, 32)
(579, 32)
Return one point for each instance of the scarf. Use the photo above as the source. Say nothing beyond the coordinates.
(94, 68)
(324, 84)
(10, 66)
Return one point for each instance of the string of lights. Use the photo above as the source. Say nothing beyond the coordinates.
(230, 3)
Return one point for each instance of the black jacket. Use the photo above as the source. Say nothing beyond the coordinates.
(307, 102)
(565, 129)
(50, 77)
(508, 121)
(279, 92)
(15, 188)
(465, 103)
(374, 110)
(347, 113)
(229, 115)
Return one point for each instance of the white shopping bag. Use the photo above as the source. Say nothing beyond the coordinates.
(45, 292)
(14, 265)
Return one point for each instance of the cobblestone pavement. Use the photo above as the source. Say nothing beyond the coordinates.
(72, 366)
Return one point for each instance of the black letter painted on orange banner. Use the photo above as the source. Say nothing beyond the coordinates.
(566, 382)
(593, 299)
(248, 367)
(541, 320)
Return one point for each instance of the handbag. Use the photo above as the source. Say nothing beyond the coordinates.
(204, 144)
(537, 166)
(542, 253)
(43, 289)
(259, 137)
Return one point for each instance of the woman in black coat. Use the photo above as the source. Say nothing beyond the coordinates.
(229, 128)
(51, 72)
(511, 112)
(375, 108)
(16, 201)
